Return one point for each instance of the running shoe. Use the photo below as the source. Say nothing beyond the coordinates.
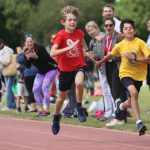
(142, 128)
(81, 114)
(56, 124)
(115, 122)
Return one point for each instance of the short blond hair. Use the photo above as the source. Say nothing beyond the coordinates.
(69, 10)
(19, 49)
(91, 24)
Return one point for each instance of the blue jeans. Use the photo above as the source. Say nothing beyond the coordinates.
(10, 95)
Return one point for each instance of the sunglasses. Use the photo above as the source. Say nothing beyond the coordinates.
(28, 35)
(108, 25)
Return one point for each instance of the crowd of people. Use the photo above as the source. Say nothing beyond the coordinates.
(117, 54)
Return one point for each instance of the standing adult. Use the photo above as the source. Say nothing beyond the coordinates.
(96, 36)
(47, 69)
(5, 59)
(112, 66)
(108, 11)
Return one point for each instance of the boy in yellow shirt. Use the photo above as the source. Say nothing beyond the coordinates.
(133, 69)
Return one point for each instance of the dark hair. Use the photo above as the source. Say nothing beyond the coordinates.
(1, 40)
(127, 20)
(111, 19)
(110, 6)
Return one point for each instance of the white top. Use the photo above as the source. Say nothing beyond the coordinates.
(117, 24)
(10, 49)
(1, 54)
(148, 41)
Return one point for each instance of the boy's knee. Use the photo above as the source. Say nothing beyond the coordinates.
(134, 94)
(79, 84)
(60, 100)
(128, 104)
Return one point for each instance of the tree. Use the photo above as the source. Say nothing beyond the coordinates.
(41, 17)
(138, 11)
(44, 20)
(13, 16)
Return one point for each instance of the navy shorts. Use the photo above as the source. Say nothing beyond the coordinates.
(127, 81)
(66, 79)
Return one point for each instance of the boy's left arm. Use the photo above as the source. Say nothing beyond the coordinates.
(88, 52)
(134, 57)
(146, 52)
(143, 59)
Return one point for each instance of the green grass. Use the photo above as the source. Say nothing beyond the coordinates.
(144, 102)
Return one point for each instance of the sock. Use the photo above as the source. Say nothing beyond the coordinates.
(56, 118)
(78, 104)
(138, 121)
(121, 106)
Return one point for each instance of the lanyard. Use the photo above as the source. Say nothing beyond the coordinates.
(108, 44)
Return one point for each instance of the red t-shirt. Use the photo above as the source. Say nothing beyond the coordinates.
(74, 58)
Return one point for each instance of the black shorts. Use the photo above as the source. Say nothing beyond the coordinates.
(66, 79)
(127, 81)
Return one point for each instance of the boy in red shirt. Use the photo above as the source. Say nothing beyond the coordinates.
(68, 46)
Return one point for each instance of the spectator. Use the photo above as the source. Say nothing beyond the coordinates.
(108, 11)
(6, 54)
(47, 69)
(94, 32)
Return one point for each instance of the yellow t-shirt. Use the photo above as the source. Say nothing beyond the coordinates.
(138, 70)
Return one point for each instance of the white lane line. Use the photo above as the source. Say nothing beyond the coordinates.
(77, 137)
(20, 145)
(77, 126)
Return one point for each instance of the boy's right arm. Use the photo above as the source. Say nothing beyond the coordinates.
(55, 51)
(106, 58)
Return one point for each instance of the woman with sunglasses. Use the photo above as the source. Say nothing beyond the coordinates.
(112, 67)
(47, 69)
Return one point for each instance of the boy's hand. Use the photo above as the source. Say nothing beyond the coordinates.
(72, 45)
(90, 54)
(130, 56)
(98, 64)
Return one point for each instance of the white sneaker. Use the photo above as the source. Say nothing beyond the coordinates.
(115, 122)
(5, 109)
